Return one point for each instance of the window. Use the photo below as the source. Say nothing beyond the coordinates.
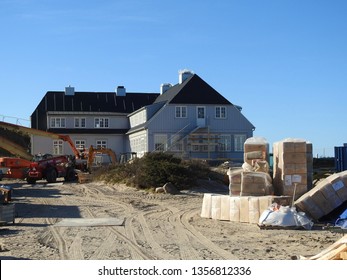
(224, 143)
(80, 122)
(181, 111)
(57, 147)
(221, 112)
(239, 140)
(57, 122)
(80, 145)
(101, 122)
(101, 144)
(160, 142)
(176, 143)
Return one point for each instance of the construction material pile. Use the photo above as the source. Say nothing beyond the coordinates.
(292, 167)
(329, 194)
(252, 190)
(254, 178)
(244, 209)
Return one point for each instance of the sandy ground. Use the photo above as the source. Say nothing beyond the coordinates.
(156, 227)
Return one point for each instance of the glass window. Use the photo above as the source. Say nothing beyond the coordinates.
(57, 122)
(101, 144)
(239, 141)
(224, 143)
(160, 142)
(80, 122)
(80, 145)
(220, 112)
(101, 122)
(181, 111)
(57, 147)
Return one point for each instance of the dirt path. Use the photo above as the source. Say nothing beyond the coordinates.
(156, 226)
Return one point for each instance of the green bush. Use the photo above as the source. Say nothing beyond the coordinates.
(155, 169)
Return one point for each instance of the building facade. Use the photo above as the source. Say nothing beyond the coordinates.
(189, 119)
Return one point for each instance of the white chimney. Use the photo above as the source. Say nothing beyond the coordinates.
(70, 90)
(165, 87)
(121, 91)
(184, 75)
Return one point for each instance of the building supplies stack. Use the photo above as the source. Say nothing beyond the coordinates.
(255, 148)
(253, 178)
(256, 184)
(292, 171)
(244, 209)
(329, 194)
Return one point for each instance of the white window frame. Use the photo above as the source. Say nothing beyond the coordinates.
(80, 144)
(220, 112)
(239, 141)
(181, 112)
(58, 147)
(101, 143)
(101, 122)
(80, 122)
(57, 122)
(160, 142)
(224, 142)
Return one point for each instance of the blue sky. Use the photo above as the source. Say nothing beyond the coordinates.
(283, 61)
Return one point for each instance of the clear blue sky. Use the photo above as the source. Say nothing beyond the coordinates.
(284, 62)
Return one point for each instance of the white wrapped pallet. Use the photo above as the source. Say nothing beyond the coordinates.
(234, 205)
(216, 207)
(225, 208)
(206, 206)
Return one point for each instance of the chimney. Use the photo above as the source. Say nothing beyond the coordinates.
(121, 91)
(164, 87)
(70, 90)
(184, 75)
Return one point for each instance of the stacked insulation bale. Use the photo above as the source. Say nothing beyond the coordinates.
(293, 167)
(329, 194)
(244, 209)
(253, 179)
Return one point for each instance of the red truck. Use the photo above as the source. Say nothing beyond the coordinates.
(50, 168)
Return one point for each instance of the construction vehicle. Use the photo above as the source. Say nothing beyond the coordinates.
(52, 167)
(15, 168)
(96, 157)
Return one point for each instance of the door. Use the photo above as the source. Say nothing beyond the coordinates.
(201, 116)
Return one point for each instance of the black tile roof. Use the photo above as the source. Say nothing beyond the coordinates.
(107, 102)
(193, 90)
(96, 101)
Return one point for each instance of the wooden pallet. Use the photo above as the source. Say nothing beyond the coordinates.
(336, 251)
(84, 178)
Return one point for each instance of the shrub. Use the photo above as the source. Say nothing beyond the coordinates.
(155, 169)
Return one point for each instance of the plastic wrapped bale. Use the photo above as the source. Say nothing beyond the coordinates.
(292, 157)
(206, 206)
(234, 181)
(255, 148)
(325, 197)
(256, 184)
